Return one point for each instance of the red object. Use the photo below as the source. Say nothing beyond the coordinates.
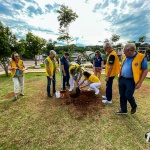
(63, 94)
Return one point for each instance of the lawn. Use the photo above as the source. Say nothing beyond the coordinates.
(37, 122)
(149, 66)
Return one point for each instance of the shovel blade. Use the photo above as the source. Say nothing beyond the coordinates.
(77, 90)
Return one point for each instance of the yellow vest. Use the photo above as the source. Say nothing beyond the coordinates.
(136, 66)
(13, 64)
(93, 79)
(52, 66)
(75, 66)
(116, 65)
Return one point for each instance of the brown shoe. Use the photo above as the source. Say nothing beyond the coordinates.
(133, 111)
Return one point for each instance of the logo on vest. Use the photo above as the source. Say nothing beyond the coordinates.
(147, 137)
(136, 64)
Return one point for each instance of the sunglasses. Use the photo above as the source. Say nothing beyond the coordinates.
(16, 56)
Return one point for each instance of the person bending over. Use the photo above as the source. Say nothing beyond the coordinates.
(92, 81)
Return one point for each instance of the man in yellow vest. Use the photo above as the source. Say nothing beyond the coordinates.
(17, 68)
(134, 70)
(111, 70)
(50, 65)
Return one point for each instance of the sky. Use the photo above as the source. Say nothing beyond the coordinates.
(97, 19)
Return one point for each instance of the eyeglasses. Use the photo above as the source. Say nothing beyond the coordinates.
(16, 56)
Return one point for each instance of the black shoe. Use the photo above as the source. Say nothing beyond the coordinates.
(133, 111)
(64, 90)
(54, 91)
(49, 96)
(15, 98)
(21, 94)
(120, 112)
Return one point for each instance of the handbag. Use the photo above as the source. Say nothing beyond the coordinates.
(18, 73)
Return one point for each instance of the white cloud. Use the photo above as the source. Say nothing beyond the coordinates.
(110, 17)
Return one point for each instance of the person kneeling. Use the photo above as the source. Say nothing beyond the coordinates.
(92, 81)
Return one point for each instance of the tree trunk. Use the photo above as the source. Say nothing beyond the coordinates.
(4, 65)
(35, 60)
(6, 70)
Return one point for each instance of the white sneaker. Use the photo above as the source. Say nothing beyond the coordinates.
(107, 102)
(70, 90)
(89, 89)
(104, 97)
(96, 93)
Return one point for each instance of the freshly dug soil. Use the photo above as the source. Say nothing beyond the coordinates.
(83, 99)
(84, 104)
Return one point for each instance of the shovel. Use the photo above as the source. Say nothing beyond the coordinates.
(75, 95)
(78, 90)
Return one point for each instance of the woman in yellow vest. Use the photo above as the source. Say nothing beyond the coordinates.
(92, 81)
(75, 74)
(50, 66)
(17, 68)
(111, 70)
(133, 71)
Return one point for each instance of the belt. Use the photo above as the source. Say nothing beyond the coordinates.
(127, 78)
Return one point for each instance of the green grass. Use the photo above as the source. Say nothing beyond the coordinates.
(36, 122)
(148, 66)
(42, 66)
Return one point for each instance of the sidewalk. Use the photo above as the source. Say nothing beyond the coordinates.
(90, 70)
(43, 70)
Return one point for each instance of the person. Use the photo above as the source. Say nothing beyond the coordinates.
(17, 68)
(78, 60)
(92, 81)
(75, 74)
(50, 66)
(65, 70)
(111, 70)
(134, 70)
(98, 64)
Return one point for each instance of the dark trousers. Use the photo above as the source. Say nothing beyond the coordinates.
(109, 88)
(49, 84)
(66, 80)
(126, 90)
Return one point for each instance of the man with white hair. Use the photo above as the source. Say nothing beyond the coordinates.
(134, 70)
(111, 70)
(50, 65)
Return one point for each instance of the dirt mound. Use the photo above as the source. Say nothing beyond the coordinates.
(84, 104)
(83, 99)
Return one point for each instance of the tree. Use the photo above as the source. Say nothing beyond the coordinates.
(34, 45)
(106, 40)
(50, 45)
(115, 38)
(142, 39)
(64, 36)
(65, 18)
(9, 44)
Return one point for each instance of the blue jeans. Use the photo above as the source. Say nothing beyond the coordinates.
(126, 90)
(109, 88)
(49, 84)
